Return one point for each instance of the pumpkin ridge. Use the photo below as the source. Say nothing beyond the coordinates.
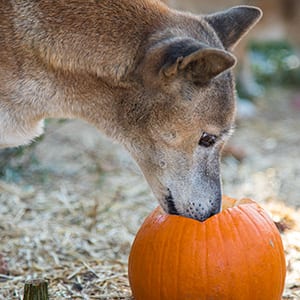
(280, 251)
(161, 272)
(219, 230)
(206, 255)
(248, 219)
(259, 219)
(278, 246)
(178, 256)
(195, 229)
(253, 215)
(236, 229)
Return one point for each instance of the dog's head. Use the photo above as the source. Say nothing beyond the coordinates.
(186, 107)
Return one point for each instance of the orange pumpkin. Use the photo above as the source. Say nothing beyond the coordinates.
(234, 255)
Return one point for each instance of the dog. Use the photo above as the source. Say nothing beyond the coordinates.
(157, 80)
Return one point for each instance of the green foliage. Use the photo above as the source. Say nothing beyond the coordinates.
(275, 63)
(15, 161)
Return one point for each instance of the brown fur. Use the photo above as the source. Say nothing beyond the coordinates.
(153, 78)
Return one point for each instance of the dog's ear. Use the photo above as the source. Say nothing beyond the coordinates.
(195, 61)
(231, 25)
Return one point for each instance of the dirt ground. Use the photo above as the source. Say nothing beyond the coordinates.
(71, 205)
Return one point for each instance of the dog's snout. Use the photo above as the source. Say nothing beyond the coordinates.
(198, 210)
(214, 208)
(204, 213)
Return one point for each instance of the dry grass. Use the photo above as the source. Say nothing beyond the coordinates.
(72, 217)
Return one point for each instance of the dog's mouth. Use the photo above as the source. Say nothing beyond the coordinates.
(170, 203)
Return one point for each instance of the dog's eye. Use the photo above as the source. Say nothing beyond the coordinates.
(207, 140)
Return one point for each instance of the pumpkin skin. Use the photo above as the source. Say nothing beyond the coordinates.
(234, 255)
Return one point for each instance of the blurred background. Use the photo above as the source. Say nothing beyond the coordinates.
(71, 203)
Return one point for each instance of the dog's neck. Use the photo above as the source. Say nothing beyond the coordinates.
(87, 38)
